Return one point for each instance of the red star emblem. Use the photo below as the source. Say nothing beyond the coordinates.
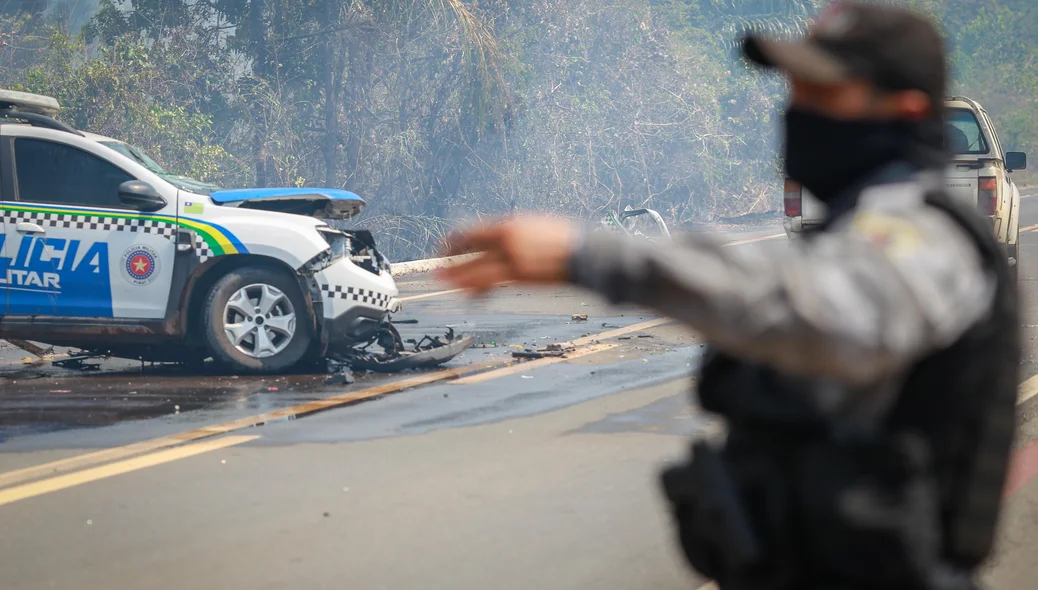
(140, 264)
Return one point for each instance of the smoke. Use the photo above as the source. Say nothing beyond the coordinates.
(71, 14)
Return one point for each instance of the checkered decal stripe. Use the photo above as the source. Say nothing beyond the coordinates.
(202, 250)
(68, 221)
(366, 296)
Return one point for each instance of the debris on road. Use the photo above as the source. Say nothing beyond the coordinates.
(552, 350)
(579, 317)
(341, 377)
(30, 347)
(428, 352)
(78, 362)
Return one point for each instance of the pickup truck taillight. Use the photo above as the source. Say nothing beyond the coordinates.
(987, 195)
(791, 198)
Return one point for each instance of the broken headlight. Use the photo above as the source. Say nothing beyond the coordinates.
(338, 242)
(358, 246)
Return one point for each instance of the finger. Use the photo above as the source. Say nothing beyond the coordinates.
(481, 274)
(473, 240)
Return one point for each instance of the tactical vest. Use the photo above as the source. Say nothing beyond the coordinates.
(956, 409)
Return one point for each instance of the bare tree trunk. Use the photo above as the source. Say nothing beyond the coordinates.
(331, 95)
(259, 41)
(358, 78)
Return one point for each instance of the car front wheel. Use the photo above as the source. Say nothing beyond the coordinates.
(256, 321)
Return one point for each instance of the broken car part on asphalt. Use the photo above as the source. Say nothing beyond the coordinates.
(552, 350)
(642, 223)
(428, 352)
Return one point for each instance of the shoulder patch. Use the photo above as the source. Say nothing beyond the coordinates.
(895, 235)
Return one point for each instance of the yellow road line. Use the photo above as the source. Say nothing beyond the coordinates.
(62, 482)
(98, 457)
(529, 365)
(1029, 228)
(1027, 390)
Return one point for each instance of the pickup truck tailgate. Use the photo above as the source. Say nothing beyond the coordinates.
(961, 182)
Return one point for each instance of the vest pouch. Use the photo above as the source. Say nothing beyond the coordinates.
(713, 525)
(870, 512)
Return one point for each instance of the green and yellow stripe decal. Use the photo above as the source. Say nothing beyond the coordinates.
(219, 240)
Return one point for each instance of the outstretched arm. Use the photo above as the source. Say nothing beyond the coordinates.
(856, 305)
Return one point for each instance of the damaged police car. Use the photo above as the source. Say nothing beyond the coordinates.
(101, 249)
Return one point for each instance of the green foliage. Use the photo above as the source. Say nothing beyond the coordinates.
(126, 91)
(439, 111)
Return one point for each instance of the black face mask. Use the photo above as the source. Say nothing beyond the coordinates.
(826, 155)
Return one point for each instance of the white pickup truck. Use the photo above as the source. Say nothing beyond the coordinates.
(978, 173)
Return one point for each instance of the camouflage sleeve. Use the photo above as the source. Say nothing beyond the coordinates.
(856, 305)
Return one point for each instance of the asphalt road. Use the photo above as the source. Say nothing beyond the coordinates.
(482, 475)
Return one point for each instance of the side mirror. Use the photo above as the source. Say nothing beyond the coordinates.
(141, 196)
(1016, 161)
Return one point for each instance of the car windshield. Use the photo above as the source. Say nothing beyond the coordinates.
(182, 182)
(963, 134)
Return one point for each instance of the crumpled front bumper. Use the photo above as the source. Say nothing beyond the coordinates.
(355, 301)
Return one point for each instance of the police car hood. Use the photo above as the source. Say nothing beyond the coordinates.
(329, 203)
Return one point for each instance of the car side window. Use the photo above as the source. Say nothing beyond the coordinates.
(49, 172)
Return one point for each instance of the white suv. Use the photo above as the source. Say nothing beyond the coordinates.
(102, 249)
(979, 173)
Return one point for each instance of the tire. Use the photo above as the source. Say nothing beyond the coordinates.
(232, 326)
(1014, 271)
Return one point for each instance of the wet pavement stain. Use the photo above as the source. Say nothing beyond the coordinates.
(673, 415)
(40, 405)
(42, 399)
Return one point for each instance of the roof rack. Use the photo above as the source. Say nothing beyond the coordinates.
(38, 120)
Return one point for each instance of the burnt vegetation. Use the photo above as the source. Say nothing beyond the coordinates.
(439, 111)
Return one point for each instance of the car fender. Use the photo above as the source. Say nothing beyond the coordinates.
(291, 239)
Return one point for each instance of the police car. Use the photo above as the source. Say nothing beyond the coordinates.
(102, 249)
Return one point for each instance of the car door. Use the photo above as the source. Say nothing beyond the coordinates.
(75, 248)
(6, 192)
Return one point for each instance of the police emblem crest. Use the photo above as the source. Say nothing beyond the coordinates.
(140, 264)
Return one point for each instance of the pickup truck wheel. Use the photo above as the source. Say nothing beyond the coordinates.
(256, 321)
(1014, 271)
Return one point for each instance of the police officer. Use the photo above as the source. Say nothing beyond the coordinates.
(867, 377)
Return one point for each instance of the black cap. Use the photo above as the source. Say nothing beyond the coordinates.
(894, 48)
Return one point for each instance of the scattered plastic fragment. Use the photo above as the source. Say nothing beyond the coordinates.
(579, 317)
(343, 377)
